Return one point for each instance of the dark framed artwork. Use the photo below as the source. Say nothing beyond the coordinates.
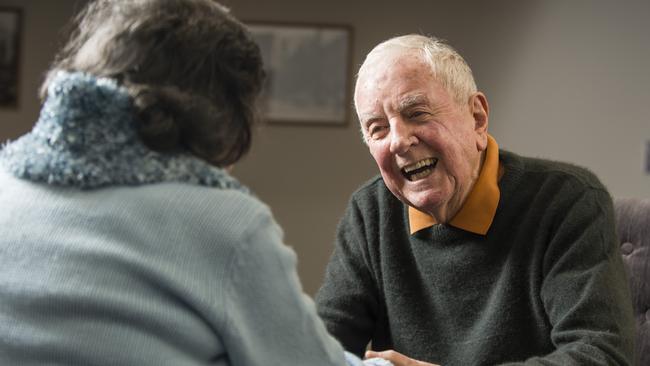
(308, 70)
(10, 36)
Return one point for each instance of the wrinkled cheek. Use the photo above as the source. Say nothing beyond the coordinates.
(387, 168)
(391, 178)
(382, 158)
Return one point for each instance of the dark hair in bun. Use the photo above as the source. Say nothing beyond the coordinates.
(193, 70)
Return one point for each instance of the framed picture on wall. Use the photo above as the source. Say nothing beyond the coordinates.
(308, 72)
(10, 28)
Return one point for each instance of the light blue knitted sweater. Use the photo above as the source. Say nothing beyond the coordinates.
(111, 254)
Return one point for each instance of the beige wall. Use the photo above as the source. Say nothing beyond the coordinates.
(566, 80)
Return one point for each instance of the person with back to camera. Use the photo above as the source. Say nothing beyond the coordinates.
(462, 254)
(123, 240)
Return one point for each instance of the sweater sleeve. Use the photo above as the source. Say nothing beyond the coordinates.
(269, 321)
(585, 290)
(347, 301)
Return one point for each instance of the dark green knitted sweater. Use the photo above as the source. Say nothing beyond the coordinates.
(545, 286)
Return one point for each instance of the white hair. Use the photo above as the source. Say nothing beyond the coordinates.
(448, 67)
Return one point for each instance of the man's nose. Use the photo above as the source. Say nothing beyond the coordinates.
(402, 137)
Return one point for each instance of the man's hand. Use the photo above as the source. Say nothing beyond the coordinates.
(397, 358)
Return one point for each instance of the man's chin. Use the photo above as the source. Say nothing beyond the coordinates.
(420, 195)
(427, 202)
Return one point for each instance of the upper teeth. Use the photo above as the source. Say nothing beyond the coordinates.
(419, 164)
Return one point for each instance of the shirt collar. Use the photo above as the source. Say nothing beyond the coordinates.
(479, 208)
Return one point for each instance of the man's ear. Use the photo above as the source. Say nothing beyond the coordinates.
(480, 110)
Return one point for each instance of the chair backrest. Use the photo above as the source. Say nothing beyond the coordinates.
(633, 226)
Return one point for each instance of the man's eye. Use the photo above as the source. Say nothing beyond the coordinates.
(417, 114)
(376, 130)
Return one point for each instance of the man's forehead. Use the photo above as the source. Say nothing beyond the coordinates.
(391, 80)
(403, 83)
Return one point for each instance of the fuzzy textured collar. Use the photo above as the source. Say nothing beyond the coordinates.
(85, 137)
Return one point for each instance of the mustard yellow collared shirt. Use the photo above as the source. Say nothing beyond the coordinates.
(479, 208)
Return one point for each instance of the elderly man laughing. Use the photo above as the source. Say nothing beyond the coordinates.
(461, 253)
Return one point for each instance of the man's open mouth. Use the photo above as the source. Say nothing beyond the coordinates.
(420, 169)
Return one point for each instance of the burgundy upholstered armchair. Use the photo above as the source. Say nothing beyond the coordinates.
(633, 225)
